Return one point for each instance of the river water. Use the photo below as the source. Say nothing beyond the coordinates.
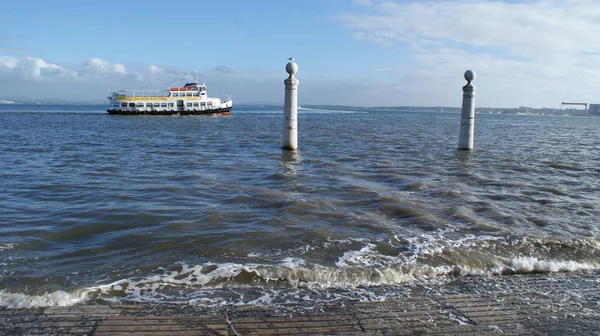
(210, 211)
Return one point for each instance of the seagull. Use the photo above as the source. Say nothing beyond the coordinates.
(291, 58)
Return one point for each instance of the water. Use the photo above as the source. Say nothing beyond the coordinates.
(210, 211)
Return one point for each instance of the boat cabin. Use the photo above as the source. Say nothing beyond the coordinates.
(189, 90)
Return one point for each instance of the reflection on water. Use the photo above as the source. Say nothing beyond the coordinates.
(290, 161)
(464, 156)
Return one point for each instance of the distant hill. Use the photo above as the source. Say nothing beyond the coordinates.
(25, 100)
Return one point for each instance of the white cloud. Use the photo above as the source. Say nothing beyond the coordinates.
(94, 69)
(155, 69)
(24, 77)
(534, 52)
(33, 69)
(8, 62)
(534, 27)
(96, 66)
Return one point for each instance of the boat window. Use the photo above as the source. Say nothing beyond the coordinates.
(123, 104)
(131, 104)
(204, 93)
(188, 104)
(195, 94)
(175, 94)
(139, 104)
(209, 103)
(148, 104)
(202, 103)
(163, 104)
(156, 104)
(171, 104)
(195, 103)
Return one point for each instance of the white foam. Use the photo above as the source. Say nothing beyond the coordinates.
(362, 257)
(428, 257)
(292, 262)
(195, 284)
(58, 298)
(7, 246)
(531, 264)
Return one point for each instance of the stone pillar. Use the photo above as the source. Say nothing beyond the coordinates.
(290, 108)
(467, 115)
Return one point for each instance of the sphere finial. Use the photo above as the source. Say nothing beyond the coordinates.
(470, 76)
(291, 67)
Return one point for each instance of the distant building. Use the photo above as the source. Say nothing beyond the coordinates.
(524, 109)
(2, 101)
(594, 110)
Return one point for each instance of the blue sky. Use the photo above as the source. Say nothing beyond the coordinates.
(362, 52)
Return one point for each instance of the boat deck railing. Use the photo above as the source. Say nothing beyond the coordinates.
(142, 93)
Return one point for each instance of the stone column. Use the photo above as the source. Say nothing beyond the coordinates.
(467, 116)
(290, 108)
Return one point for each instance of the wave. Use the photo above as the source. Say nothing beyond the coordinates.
(358, 274)
(57, 298)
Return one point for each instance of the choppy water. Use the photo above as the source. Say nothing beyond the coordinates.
(210, 210)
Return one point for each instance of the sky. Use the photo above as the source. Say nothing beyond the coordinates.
(535, 53)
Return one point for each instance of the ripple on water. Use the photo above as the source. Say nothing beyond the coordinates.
(210, 210)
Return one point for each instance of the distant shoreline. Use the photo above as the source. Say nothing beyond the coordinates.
(451, 109)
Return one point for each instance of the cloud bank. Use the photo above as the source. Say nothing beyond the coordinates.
(38, 70)
(35, 78)
(535, 52)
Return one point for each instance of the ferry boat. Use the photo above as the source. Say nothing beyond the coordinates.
(191, 99)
